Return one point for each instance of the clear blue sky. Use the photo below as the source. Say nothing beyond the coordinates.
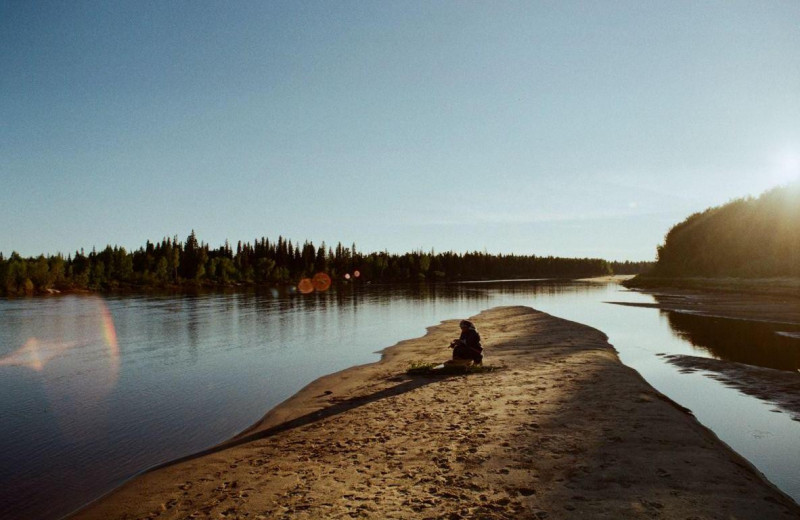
(548, 128)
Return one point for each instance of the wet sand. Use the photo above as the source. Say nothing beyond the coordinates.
(560, 430)
(780, 306)
(779, 387)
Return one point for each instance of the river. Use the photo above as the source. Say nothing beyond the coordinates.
(95, 390)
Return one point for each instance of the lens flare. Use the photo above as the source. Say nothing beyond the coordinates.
(356, 273)
(35, 354)
(76, 357)
(347, 276)
(305, 286)
(110, 336)
(322, 282)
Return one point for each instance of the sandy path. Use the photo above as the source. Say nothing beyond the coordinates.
(562, 430)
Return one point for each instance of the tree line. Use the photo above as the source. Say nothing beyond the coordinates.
(175, 264)
(745, 238)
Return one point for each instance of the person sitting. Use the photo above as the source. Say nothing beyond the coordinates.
(468, 346)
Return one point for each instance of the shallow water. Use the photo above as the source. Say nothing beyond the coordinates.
(94, 390)
(771, 345)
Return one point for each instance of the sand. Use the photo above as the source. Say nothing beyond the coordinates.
(779, 387)
(777, 308)
(560, 430)
(611, 278)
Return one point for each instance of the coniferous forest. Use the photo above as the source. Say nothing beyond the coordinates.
(745, 238)
(172, 264)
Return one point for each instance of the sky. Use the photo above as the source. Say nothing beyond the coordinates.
(575, 129)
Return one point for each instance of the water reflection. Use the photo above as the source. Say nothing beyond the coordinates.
(751, 342)
(195, 370)
(55, 392)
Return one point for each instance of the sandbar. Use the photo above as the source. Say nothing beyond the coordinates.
(560, 429)
(776, 301)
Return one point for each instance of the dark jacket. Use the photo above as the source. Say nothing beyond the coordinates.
(469, 346)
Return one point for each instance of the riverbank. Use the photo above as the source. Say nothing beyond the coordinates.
(779, 304)
(769, 287)
(611, 278)
(561, 430)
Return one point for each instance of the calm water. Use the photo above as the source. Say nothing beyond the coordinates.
(93, 391)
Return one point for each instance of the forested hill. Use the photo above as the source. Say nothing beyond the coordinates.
(174, 264)
(746, 238)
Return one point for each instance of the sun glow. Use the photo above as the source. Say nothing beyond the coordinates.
(786, 166)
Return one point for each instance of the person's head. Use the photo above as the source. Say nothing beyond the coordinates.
(465, 324)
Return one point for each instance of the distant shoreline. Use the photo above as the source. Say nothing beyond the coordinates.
(189, 288)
